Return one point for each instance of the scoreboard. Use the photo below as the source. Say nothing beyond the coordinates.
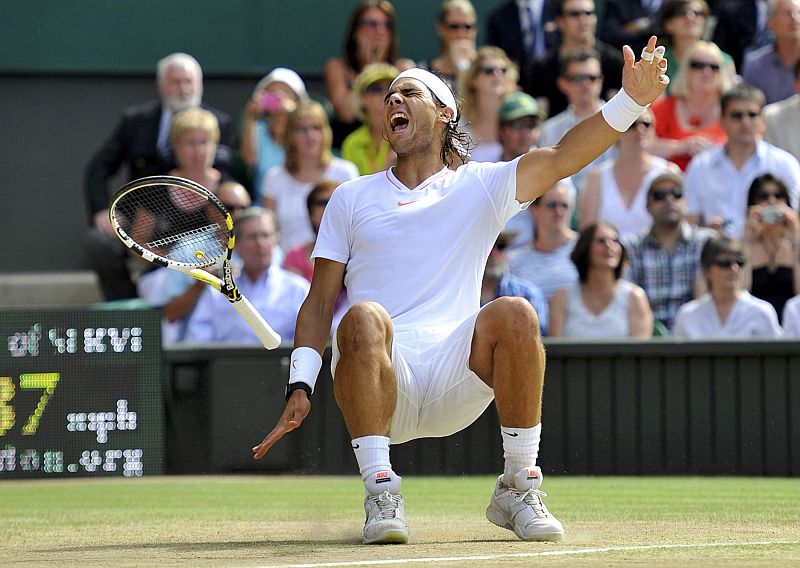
(81, 393)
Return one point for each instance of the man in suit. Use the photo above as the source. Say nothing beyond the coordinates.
(524, 29)
(741, 27)
(630, 22)
(141, 141)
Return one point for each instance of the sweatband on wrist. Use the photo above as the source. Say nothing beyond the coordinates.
(304, 368)
(622, 111)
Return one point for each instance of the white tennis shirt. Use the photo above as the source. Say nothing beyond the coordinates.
(420, 252)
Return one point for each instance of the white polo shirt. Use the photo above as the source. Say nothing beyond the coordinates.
(749, 317)
(715, 187)
(419, 252)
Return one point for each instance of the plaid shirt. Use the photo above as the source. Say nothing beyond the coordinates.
(667, 277)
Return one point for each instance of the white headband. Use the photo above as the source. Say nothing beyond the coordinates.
(438, 87)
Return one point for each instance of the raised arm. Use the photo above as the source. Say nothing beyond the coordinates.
(311, 332)
(642, 83)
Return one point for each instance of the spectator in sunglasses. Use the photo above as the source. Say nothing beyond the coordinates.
(726, 310)
(718, 179)
(366, 146)
(772, 241)
(457, 28)
(688, 120)
(616, 190)
(665, 261)
(490, 77)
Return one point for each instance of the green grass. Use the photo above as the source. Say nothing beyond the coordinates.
(276, 520)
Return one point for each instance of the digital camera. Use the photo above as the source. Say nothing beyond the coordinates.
(772, 214)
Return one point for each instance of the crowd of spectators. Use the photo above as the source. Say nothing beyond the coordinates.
(687, 226)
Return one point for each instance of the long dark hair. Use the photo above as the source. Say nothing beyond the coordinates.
(580, 254)
(350, 47)
(758, 183)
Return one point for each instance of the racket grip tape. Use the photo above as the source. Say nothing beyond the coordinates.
(268, 336)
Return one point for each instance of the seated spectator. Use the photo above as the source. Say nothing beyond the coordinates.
(260, 143)
(490, 77)
(791, 317)
(726, 310)
(276, 293)
(684, 23)
(545, 261)
(307, 142)
(616, 190)
(141, 142)
(457, 27)
(581, 80)
(371, 37)
(688, 120)
(771, 237)
(577, 22)
(366, 146)
(718, 179)
(498, 281)
(524, 30)
(601, 304)
(783, 120)
(770, 68)
(741, 27)
(665, 261)
(194, 137)
(630, 22)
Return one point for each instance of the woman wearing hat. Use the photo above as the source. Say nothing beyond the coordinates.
(366, 146)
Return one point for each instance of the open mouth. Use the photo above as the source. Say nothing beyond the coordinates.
(398, 122)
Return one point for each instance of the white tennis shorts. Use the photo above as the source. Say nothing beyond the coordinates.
(437, 393)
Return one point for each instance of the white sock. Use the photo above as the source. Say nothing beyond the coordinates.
(372, 455)
(520, 449)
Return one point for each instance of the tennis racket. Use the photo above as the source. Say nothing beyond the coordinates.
(179, 224)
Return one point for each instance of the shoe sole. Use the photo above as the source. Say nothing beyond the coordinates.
(389, 537)
(499, 519)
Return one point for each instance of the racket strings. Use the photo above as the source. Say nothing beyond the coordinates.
(175, 223)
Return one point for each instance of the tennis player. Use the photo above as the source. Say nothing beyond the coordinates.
(415, 356)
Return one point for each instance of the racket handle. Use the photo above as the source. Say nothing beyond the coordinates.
(268, 336)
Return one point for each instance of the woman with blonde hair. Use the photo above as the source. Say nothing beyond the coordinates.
(490, 77)
(194, 136)
(688, 120)
(309, 159)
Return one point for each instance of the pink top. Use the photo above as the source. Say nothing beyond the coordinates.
(298, 260)
(668, 126)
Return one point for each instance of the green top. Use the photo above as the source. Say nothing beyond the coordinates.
(359, 148)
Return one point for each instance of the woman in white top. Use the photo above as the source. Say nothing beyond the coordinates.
(489, 78)
(545, 261)
(726, 310)
(791, 317)
(307, 142)
(616, 191)
(601, 304)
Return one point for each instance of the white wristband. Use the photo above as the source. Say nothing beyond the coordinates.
(622, 111)
(304, 366)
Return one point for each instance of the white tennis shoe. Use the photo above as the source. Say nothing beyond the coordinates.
(386, 519)
(520, 508)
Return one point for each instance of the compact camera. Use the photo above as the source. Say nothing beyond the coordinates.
(270, 101)
(772, 214)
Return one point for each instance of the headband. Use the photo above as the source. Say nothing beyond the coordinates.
(438, 87)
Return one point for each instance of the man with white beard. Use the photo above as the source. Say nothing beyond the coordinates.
(141, 141)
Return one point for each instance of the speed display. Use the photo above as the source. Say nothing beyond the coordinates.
(81, 393)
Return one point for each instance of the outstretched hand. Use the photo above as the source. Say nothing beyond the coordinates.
(645, 80)
(297, 408)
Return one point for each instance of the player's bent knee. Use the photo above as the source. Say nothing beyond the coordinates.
(516, 316)
(364, 325)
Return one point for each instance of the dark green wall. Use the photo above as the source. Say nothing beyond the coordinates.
(230, 37)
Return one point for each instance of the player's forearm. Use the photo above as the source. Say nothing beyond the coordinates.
(313, 324)
(583, 143)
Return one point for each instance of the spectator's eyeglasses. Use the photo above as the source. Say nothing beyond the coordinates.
(700, 65)
(452, 26)
(501, 245)
(232, 208)
(738, 262)
(492, 69)
(320, 201)
(577, 13)
(739, 115)
(661, 193)
(308, 129)
(578, 79)
(553, 205)
(522, 124)
(646, 124)
(375, 24)
(686, 12)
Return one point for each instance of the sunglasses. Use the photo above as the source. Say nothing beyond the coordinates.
(376, 88)
(646, 124)
(578, 79)
(739, 262)
(765, 195)
(455, 27)
(553, 205)
(700, 65)
(739, 115)
(522, 124)
(686, 12)
(492, 69)
(374, 24)
(322, 201)
(660, 194)
(577, 13)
